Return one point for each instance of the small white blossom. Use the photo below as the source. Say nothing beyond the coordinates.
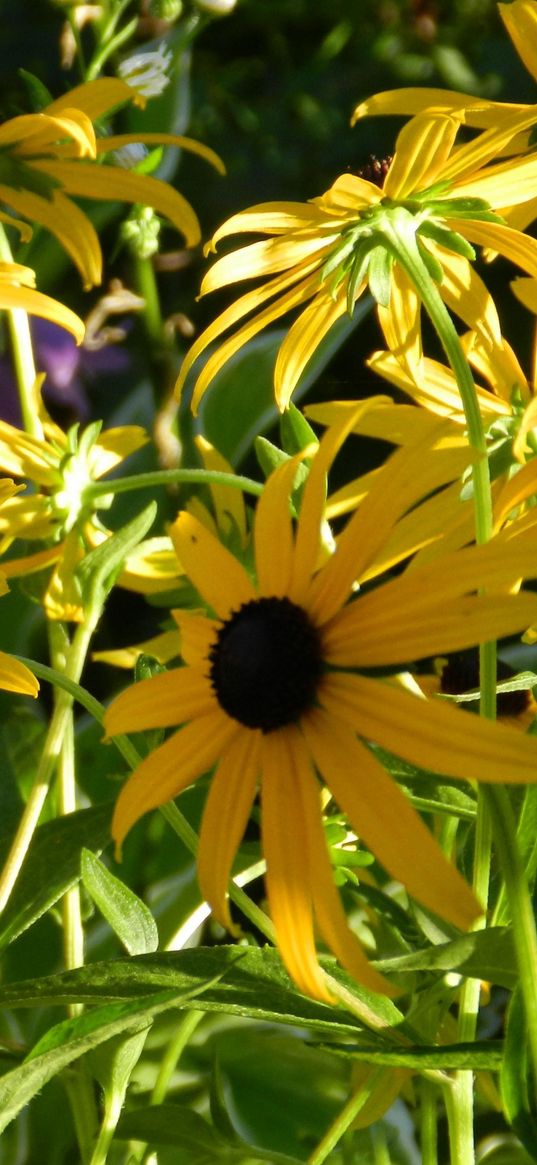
(217, 7)
(147, 72)
(129, 156)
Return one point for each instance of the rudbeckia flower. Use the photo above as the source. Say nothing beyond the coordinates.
(14, 676)
(61, 512)
(46, 157)
(17, 290)
(435, 200)
(284, 683)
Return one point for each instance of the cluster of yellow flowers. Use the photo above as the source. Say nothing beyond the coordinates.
(291, 672)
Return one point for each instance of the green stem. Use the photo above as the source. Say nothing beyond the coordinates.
(23, 354)
(122, 485)
(345, 1118)
(428, 1124)
(523, 918)
(146, 286)
(185, 1028)
(50, 756)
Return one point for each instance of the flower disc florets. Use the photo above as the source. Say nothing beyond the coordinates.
(266, 664)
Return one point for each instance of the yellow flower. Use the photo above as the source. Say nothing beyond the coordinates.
(435, 196)
(17, 290)
(45, 157)
(285, 681)
(14, 676)
(61, 512)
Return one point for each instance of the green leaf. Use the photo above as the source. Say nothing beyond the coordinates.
(485, 954)
(128, 916)
(194, 1140)
(52, 866)
(73, 1038)
(514, 1081)
(255, 985)
(484, 1055)
(98, 569)
(296, 431)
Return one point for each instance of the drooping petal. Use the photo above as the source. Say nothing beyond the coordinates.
(432, 733)
(526, 291)
(266, 258)
(113, 446)
(401, 320)
(66, 222)
(90, 180)
(117, 141)
(423, 146)
(163, 647)
(170, 768)
(269, 218)
(381, 814)
(519, 248)
(15, 677)
(328, 909)
(170, 697)
(507, 184)
(25, 455)
(474, 155)
(299, 294)
(225, 816)
(465, 294)
(13, 296)
(288, 879)
(302, 341)
(216, 574)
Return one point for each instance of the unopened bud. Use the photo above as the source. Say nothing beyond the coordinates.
(140, 232)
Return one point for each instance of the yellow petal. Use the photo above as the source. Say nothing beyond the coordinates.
(273, 529)
(302, 341)
(171, 768)
(96, 97)
(465, 293)
(432, 733)
(113, 445)
(31, 563)
(504, 185)
(228, 502)
(15, 677)
(381, 814)
(197, 635)
(519, 248)
(37, 304)
(409, 475)
(165, 699)
(297, 295)
(90, 180)
(401, 320)
(265, 258)
(163, 647)
(63, 219)
(479, 113)
(270, 218)
(314, 497)
(225, 816)
(520, 19)
(526, 291)
(117, 141)
(27, 456)
(328, 909)
(288, 878)
(422, 148)
(216, 574)
(471, 157)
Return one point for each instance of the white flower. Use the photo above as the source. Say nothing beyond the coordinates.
(146, 72)
(129, 156)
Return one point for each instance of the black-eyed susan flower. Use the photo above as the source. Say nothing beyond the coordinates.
(47, 157)
(435, 200)
(14, 676)
(284, 683)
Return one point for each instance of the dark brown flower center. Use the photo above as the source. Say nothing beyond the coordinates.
(266, 664)
(376, 169)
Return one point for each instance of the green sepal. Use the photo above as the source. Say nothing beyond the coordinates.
(296, 431)
(38, 94)
(434, 268)
(99, 569)
(147, 666)
(451, 240)
(380, 267)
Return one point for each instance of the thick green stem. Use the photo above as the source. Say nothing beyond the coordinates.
(428, 1123)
